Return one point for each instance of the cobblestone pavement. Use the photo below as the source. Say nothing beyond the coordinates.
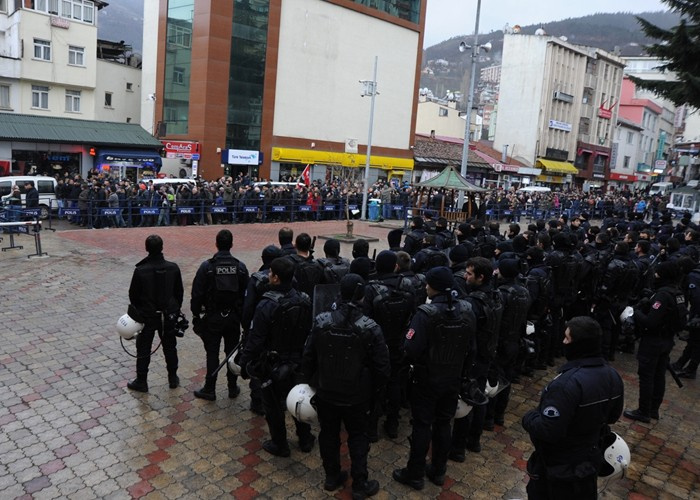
(71, 429)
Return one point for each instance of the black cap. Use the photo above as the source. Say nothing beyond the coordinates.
(508, 268)
(459, 253)
(385, 262)
(270, 253)
(440, 279)
(350, 286)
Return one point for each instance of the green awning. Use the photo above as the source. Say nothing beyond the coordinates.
(31, 128)
(449, 178)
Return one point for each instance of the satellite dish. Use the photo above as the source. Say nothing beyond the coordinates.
(516, 28)
(563, 38)
(540, 32)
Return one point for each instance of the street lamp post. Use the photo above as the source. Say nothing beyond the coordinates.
(370, 89)
(470, 98)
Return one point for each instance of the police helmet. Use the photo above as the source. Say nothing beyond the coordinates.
(233, 366)
(128, 328)
(626, 313)
(463, 408)
(491, 390)
(299, 403)
(617, 459)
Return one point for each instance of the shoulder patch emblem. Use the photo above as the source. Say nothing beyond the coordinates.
(656, 305)
(410, 333)
(551, 412)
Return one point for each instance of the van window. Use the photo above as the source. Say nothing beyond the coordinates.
(45, 187)
(5, 188)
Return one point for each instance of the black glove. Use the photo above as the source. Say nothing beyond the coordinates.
(244, 372)
(198, 326)
(644, 304)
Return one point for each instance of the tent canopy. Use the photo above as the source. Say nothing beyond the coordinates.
(535, 189)
(449, 178)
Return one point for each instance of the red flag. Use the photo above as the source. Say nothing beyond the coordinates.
(306, 175)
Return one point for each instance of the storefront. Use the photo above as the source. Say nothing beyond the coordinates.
(130, 164)
(28, 162)
(556, 172)
(288, 163)
(241, 161)
(620, 180)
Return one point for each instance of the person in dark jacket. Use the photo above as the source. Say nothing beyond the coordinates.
(414, 240)
(273, 352)
(31, 199)
(657, 320)
(218, 291)
(156, 293)
(573, 417)
(440, 337)
(345, 389)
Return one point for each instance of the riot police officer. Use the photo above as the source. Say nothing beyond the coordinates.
(440, 336)
(347, 360)
(273, 352)
(657, 320)
(218, 290)
(414, 240)
(156, 294)
(575, 408)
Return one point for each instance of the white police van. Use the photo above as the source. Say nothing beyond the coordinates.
(44, 184)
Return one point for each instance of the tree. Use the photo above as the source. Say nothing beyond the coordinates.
(679, 50)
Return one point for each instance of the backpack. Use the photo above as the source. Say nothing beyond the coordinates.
(516, 303)
(223, 277)
(450, 338)
(433, 258)
(565, 277)
(538, 306)
(307, 273)
(621, 279)
(334, 269)
(261, 280)
(342, 354)
(392, 308)
(679, 321)
(291, 322)
(487, 334)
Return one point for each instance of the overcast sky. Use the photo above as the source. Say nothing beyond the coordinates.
(448, 18)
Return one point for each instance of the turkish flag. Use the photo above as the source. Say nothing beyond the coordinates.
(306, 175)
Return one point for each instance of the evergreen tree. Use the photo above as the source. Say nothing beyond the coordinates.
(679, 50)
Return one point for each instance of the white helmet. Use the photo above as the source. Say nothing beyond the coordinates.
(491, 390)
(463, 408)
(232, 365)
(299, 403)
(128, 328)
(617, 459)
(529, 328)
(626, 313)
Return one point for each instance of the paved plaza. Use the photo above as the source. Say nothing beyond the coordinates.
(71, 429)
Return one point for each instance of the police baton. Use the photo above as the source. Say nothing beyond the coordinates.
(313, 244)
(223, 363)
(374, 254)
(674, 374)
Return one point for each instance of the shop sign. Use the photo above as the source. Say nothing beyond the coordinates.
(566, 127)
(243, 157)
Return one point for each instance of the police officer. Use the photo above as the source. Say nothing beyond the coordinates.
(657, 320)
(273, 352)
(334, 266)
(347, 361)
(156, 294)
(440, 336)
(575, 409)
(414, 240)
(258, 284)
(218, 291)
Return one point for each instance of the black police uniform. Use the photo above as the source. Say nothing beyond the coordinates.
(437, 343)
(575, 407)
(218, 290)
(156, 291)
(413, 241)
(657, 327)
(345, 383)
(273, 353)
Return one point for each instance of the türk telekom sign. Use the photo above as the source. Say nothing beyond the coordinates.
(181, 149)
(243, 157)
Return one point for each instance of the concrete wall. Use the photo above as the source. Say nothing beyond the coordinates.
(324, 50)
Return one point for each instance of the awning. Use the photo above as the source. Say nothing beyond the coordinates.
(313, 157)
(623, 177)
(557, 167)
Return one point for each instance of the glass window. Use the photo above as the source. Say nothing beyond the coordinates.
(630, 138)
(626, 162)
(129, 87)
(40, 5)
(178, 62)
(108, 99)
(42, 50)
(76, 55)
(3, 5)
(53, 6)
(73, 101)
(403, 9)
(443, 112)
(40, 97)
(179, 75)
(5, 96)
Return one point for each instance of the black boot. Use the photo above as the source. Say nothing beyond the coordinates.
(173, 381)
(207, 392)
(138, 384)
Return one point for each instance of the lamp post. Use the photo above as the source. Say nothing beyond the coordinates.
(470, 97)
(370, 89)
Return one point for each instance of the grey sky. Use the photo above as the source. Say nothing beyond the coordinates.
(448, 18)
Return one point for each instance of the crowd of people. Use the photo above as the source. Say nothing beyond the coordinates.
(444, 321)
